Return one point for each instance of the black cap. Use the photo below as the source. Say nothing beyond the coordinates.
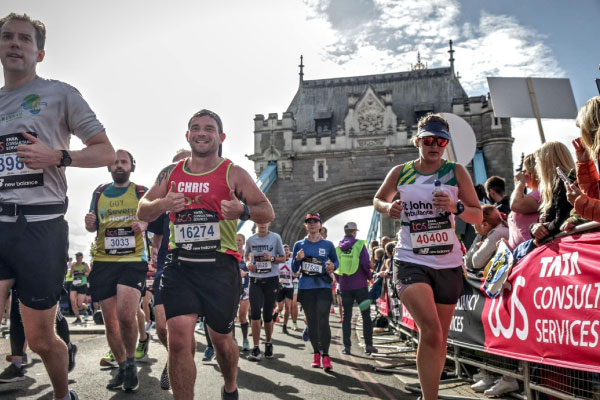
(211, 114)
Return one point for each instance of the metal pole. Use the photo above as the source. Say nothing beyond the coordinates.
(536, 109)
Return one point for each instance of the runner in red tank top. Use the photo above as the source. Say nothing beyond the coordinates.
(201, 276)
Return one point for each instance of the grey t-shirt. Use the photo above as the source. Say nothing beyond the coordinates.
(54, 111)
(257, 245)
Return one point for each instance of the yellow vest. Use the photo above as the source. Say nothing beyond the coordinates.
(115, 240)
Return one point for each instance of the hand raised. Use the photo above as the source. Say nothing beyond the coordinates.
(580, 151)
(175, 201)
(233, 208)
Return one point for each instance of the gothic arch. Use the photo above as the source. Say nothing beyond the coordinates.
(329, 202)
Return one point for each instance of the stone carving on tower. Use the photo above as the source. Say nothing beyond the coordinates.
(370, 117)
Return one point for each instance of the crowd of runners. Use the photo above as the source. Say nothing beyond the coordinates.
(169, 256)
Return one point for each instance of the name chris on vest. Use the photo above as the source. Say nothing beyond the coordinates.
(193, 187)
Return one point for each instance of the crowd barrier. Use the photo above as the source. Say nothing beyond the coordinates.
(544, 327)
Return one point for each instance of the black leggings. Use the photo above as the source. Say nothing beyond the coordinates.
(316, 304)
(348, 298)
(263, 293)
(17, 331)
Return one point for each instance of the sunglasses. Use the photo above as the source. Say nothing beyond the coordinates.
(428, 141)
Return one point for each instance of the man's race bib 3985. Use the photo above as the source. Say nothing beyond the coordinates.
(431, 236)
(14, 174)
(197, 230)
(119, 241)
(312, 266)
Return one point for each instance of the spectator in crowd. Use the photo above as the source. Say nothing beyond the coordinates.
(374, 246)
(492, 229)
(586, 197)
(555, 208)
(495, 191)
(375, 290)
(524, 206)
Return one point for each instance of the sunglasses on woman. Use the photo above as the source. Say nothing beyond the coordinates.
(428, 141)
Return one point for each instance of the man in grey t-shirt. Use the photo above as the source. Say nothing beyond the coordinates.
(264, 253)
(37, 118)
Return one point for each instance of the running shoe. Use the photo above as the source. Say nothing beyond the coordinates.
(245, 345)
(117, 381)
(209, 353)
(284, 329)
(12, 373)
(327, 363)
(77, 321)
(72, 354)
(268, 350)
(148, 326)
(130, 379)
(371, 349)
(305, 334)
(316, 360)
(141, 351)
(256, 355)
(165, 384)
(346, 351)
(108, 360)
(229, 396)
(73, 395)
(294, 326)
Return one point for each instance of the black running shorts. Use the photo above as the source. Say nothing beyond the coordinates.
(447, 283)
(81, 289)
(106, 275)
(209, 287)
(285, 293)
(34, 254)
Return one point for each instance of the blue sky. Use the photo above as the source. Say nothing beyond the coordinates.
(145, 66)
(569, 28)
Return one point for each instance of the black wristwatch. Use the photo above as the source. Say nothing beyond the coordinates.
(459, 208)
(272, 259)
(246, 214)
(65, 160)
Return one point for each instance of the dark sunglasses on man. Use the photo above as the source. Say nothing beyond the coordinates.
(429, 140)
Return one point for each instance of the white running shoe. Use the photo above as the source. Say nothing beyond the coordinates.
(502, 386)
(483, 384)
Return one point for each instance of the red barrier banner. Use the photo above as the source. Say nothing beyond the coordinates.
(549, 310)
(383, 306)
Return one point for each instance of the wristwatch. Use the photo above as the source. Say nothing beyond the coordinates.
(65, 160)
(246, 214)
(459, 208)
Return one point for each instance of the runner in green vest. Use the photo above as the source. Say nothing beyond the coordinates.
(78, 295)
(353, 276)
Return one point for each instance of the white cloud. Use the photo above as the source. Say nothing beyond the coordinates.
(493, 45)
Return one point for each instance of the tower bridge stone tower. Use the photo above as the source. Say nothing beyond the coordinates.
(339, 137)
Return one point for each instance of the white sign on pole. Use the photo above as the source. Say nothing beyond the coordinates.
(511, 97)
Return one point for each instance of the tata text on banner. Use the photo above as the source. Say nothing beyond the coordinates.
(549, 311)
(511, 98)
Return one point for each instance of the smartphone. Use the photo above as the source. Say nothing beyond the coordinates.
(561, 174)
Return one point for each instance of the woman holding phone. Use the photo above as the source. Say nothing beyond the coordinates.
(586, 197)
(428, 256)
(554, 208)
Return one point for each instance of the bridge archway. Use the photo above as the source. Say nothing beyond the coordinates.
(329, 203)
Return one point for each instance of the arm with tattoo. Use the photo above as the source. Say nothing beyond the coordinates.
(153, 204)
